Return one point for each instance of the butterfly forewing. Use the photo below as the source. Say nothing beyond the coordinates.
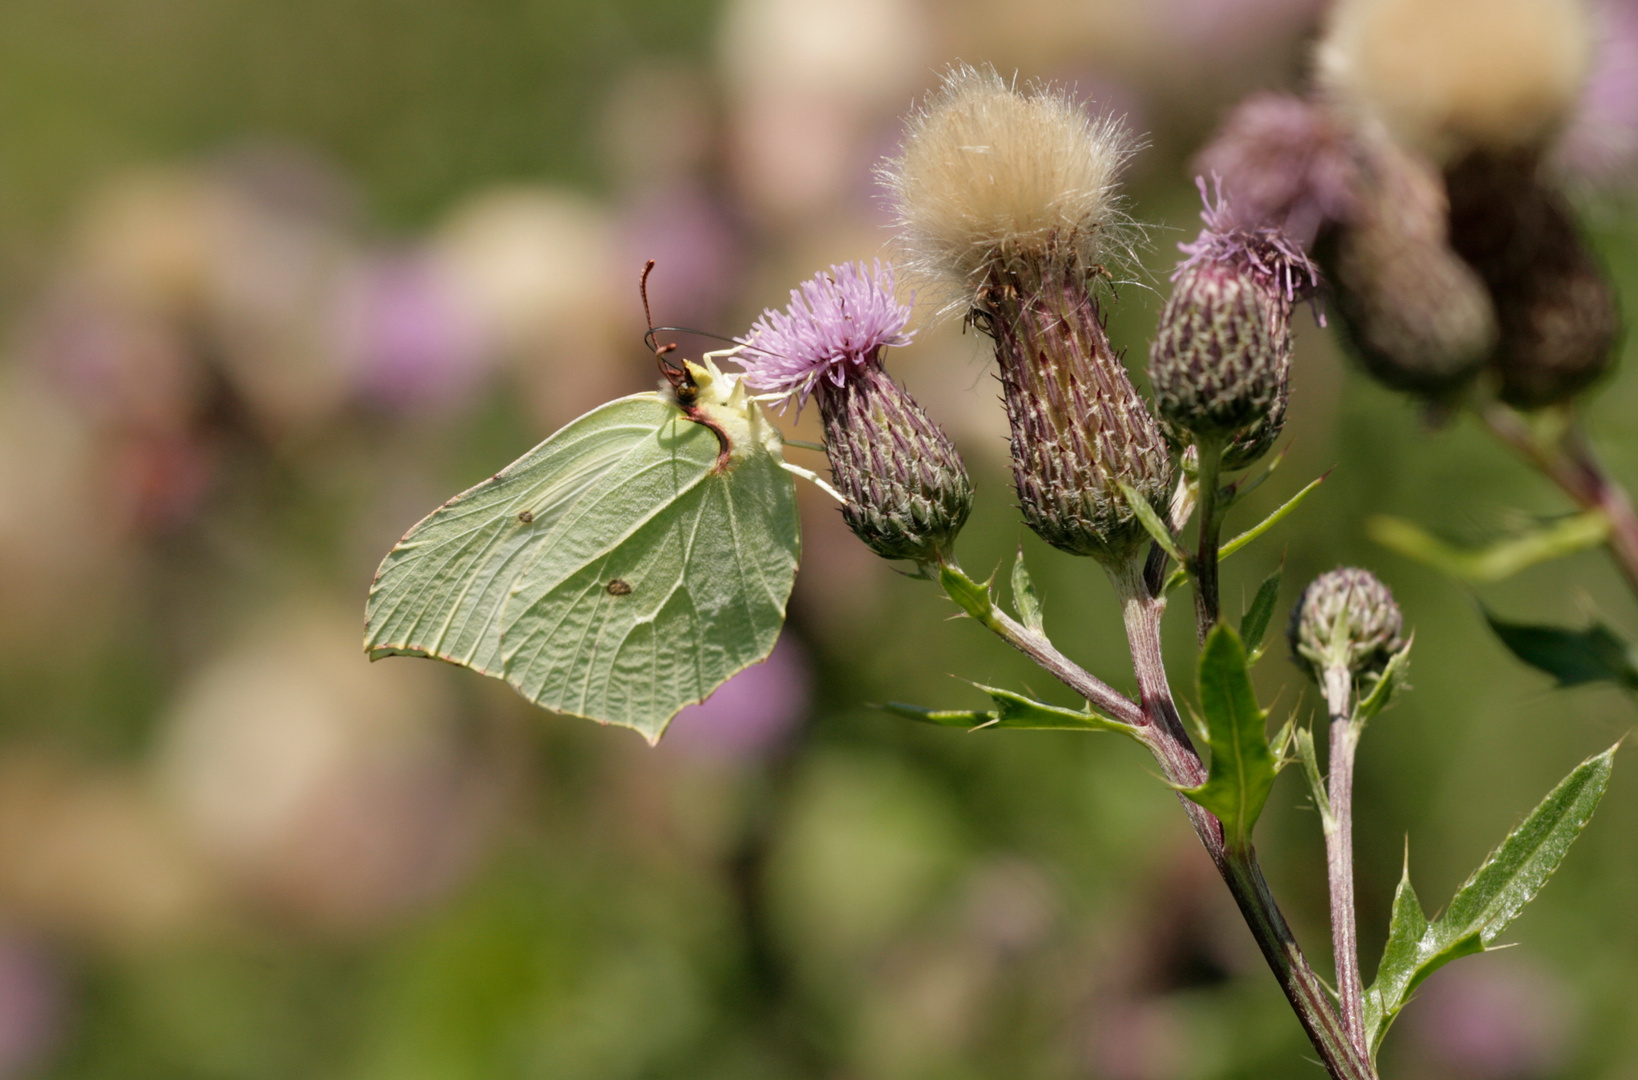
(440, 592)
(631, 633)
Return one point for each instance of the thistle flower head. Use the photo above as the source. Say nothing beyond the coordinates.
(1220, 362)
(990, 177)
(1446, 77)
(838, 320)
(904, 489)
(1346, 619)
(1265, 253)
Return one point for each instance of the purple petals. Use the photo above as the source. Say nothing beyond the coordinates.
(836, 321)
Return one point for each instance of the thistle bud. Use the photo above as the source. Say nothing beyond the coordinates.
(1418, 316)
(1220, 363)
(1556, 310)
(1009, 199)
(904, 488)
(1346, 620)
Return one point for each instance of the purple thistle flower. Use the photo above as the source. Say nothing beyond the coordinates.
(904, 490)
(836, 322)
(1264, 253)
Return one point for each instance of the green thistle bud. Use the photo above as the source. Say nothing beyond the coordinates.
(907, 491)
(1346, 620)
(1220, 363)
(1214, 365)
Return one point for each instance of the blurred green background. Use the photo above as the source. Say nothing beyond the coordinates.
(277, 278)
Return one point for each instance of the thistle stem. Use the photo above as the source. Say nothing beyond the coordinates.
(1205, 564)
(1099, 694)
(1575, 468)
(1339, 852)
(1168, 740)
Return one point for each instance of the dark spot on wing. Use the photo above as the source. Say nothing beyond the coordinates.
(526, 516)
(619, 587)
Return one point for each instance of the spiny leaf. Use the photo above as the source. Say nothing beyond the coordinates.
(968, 594)
(1270, 521)
(1024, 596)
(1242, 767)
(1407, 926)
(1386, 686)
(1498, 890)
(1254, 624)
(1573, 657)
(1158, 529)
(1012, 711)
(1311, 772)
(1179, 575)
(1495, 561)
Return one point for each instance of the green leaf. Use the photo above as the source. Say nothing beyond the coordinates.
(1013, 711)
(622, 569)
(1495, 561)
(1242, 766)
(1397, 973)
(961, 718)
(1270, 521)
(969, 595)
(1490, 899)
(1387, 684)
(1157, 529)
(1024, 596)
(1573, 657)
(1254, 623)
(1179, 575)
(1311, 772)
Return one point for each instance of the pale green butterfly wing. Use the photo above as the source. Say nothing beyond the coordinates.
(440, 591)
(614, 572)
(630, 633)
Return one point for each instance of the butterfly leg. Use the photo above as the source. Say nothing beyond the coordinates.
(814, 478)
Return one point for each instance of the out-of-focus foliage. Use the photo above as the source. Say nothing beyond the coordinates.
(276, 278)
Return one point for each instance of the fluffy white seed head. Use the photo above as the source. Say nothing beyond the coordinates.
(990, 177)
(1450, 76)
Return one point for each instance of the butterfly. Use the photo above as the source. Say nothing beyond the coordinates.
(621, 570)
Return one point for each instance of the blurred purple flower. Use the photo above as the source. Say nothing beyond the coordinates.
(31, 1006)
(1602, 143)
(1498, 1018)
(412, 344)
(1285, 162)
(837, 320)
(695, 248)
(751, 713)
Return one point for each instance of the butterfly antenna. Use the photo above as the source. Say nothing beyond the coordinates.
(674, 373)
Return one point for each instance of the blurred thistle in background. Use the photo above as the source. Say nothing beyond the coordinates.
(273, 278)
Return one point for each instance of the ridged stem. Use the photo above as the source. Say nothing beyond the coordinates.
(1575, 468)
(1339, 852)
(1168, 740)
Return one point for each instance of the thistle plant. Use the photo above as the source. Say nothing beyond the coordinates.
(1008, 207)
